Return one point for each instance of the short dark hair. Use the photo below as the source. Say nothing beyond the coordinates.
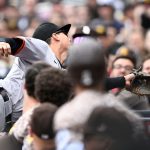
(43, 114)
(53, 85)
(113, 127)
(31, 74)
(132, 59)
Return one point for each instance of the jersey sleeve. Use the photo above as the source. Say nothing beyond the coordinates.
(32, 49)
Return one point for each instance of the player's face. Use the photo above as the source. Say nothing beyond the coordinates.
(65, 40)
(64, 44)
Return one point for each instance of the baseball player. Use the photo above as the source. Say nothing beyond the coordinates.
(49, 44)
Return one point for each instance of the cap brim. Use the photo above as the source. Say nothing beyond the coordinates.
(65, 29)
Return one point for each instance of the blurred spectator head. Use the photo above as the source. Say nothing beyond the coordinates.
(111, 38)
(147, 41)
(135, 41)
(28, 29)
(106, 11)
(128, 11)
(86, 64)
(43, 134)
(3, 28)
(138, 10)
(125, 51)
(30, 100)
(101, 131)
(11, 17)
(57, 18)
(83, 15)
(146, 65)
(53, 86)
(122, 65)
(31, 74)
(69, 13)
(102, 35)
(28, 7)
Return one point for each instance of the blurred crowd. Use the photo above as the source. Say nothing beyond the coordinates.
(84, 108)
(118, 23)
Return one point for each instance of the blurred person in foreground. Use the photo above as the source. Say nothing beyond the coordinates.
(43, 134)
(51, 85)
(87, 69)
(82, 34)
(113, 128)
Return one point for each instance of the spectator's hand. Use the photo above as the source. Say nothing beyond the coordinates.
(128, 79)
(5, 49)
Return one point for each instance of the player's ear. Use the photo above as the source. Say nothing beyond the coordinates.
(55, 36)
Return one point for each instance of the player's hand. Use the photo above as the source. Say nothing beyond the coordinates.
(128, 79)
(5, 49)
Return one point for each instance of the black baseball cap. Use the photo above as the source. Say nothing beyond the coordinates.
(46, 29)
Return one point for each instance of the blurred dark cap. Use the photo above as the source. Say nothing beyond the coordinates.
(104, 121)
(101, 30)
(86, 63)
(43, 114)
(106, 5)
(125, 52)
(84, 31)
(45, 30)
